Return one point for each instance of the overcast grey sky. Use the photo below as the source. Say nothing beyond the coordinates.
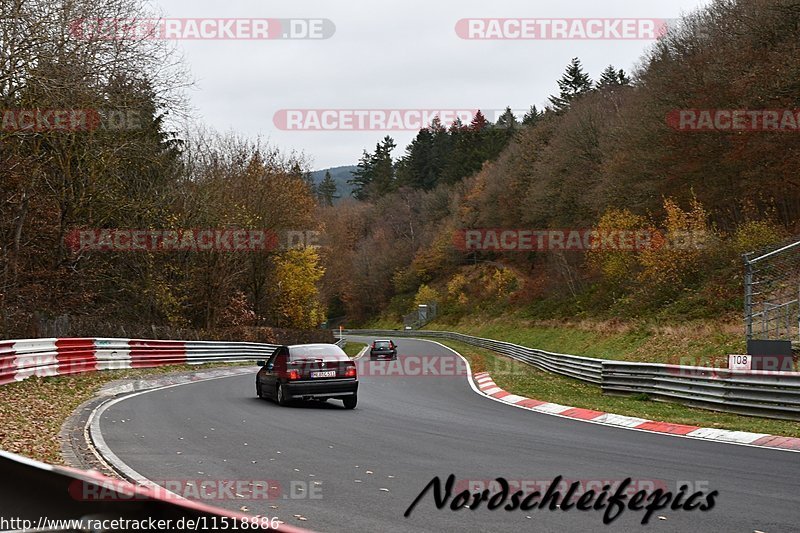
(388, 54)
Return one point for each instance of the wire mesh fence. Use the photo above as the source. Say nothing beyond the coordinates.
(772, 293)
(421, 315)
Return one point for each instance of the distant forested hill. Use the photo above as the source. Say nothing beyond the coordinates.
(340, 175)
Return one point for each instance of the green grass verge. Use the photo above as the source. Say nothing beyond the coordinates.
(525, 380)
(381, 323)
(697, 342)
(353, 348)
(33, 411)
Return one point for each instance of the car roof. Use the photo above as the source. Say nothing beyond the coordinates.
(382, 340)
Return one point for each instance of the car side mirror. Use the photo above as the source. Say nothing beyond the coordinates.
(261, 363)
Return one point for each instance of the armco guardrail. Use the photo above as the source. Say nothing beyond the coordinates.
(582, 368)
(63, 489)
(21, 359)
(752, 393)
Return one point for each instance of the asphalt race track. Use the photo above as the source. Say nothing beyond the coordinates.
(406, 430)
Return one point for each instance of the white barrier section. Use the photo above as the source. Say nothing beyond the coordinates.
(36, 357)
(112, 354)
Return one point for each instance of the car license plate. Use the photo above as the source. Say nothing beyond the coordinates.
(324, 374)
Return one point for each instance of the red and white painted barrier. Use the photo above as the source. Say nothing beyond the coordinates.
(488, 387)
(32, 486)
(8, 370)
(21, 359)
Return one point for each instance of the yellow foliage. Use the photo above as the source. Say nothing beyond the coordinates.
(297, 273)
(168, 303)
(757, 234)
(677, 252)
(455, 290)
(481, 284)
(433, 258)
(499, 282)
(615, 265)
(426, 295)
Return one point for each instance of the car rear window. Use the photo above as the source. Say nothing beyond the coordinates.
(329, 353)
(382, 344)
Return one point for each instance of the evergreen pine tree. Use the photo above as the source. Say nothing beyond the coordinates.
(375, 175)
(362, 177)
(612, 78)
(572, 84)
(507, 121)
(384, 178)
(532, 117)
(326, 190)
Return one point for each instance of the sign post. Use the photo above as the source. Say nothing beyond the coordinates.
(740, 362)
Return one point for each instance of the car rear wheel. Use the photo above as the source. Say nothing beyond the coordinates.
(281, 395)
(350, 402)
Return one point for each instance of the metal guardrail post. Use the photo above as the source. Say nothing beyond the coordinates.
(748, 297)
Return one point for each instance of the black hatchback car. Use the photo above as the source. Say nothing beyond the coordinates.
(308, 372)
(383, 349)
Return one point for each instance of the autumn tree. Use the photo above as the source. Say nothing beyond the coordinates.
(54, 180)
(297, 272)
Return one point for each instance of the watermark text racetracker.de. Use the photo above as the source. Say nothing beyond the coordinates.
(210, 491)
(431, 366)
(367, 119)
(37, 120)
(734, 120)
(546, 29)
(189, 240)
(574, 240)
(178, 29)
(414, 366)
(407, 119)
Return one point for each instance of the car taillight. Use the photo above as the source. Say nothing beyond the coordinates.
(373, 345)
(294, 375)
(350, 372)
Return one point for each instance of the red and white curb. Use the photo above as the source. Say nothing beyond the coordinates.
(489, 388)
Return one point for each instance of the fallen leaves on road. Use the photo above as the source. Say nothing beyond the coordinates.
(33, 411)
